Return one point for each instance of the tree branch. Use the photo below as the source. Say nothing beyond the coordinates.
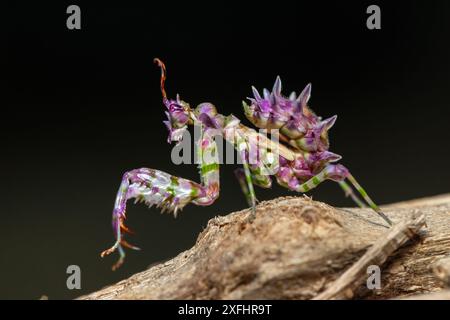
(297, 248)
(378, 253)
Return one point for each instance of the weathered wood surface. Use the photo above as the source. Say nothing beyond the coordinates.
(346, 285)
(297, 248)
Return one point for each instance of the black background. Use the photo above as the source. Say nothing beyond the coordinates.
(83, 106)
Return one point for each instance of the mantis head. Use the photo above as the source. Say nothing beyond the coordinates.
(178, 112)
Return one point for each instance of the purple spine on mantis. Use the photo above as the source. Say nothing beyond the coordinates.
(300, 127)
(291, 116)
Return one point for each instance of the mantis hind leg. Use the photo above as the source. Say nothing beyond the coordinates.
(339, 173)
(350, 193)
(366, 197)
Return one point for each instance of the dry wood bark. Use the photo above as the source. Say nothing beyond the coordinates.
(297, 248)
(440, 295)
(346, 285)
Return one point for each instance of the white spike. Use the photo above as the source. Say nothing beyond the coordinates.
(256, 93)
(305, 95)
(277, 86)
(293, 96)
(333, 157)
(329, 122)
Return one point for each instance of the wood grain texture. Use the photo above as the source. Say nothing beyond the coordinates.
(345, 286)
(297, 248)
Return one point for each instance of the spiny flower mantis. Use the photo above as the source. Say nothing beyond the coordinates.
(303, 161)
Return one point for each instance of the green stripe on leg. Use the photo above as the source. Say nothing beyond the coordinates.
(368, 199)
(316, 180)
(209, 167)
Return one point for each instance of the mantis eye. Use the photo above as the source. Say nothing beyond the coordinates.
(176, 123)
(175, 132)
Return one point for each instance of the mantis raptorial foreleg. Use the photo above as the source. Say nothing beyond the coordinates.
(171, 193)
